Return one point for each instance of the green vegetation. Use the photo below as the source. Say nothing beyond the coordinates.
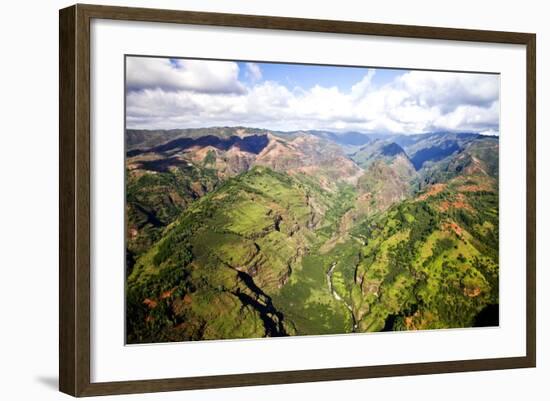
(276, 251)
(154, 199)
(430, 265)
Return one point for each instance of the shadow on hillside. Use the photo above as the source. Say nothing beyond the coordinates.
(252, 144)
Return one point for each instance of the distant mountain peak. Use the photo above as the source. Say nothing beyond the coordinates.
(392, 149)
(379, 149)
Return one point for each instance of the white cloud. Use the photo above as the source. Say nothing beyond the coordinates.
(470, 118)
(253, 72)
(361, 87)
(176, 75)
(449, 90)
(203, 94)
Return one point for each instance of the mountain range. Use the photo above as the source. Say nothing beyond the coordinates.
(236, 232)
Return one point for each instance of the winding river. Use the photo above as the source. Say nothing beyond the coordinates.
(337, 297)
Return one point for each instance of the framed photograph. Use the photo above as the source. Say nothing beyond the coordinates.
(250, 200)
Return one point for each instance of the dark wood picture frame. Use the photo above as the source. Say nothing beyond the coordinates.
(74, 199)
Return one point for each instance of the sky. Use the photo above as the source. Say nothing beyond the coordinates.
(164, 93)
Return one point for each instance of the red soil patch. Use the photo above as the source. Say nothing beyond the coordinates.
(198, 153)
(480, 185)
(472, 292)
(197, 188)
(410, 321)
(419, 320)
(472, 188)
(181, 326)
(133, 233)
(167, 294)
(453, 227)
(460, 202)
(433, 190)
(151, 304)
(187, 299)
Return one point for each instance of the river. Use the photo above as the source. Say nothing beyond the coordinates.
(337, 297)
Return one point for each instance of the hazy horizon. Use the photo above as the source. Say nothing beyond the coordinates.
(308, 130)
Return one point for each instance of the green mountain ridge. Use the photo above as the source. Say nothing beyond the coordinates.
(300, 239)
